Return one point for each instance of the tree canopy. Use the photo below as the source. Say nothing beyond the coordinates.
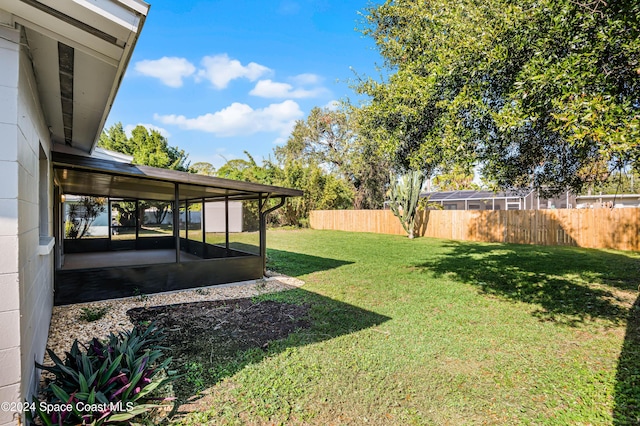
(148, 147)
(329, 138)
(322, 190)
(203, 168)
(542, 93)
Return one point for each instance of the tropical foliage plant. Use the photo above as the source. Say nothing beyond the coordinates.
(111, 381)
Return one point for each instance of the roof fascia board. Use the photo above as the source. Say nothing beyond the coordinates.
(108, 19)
(69, 35)
(114, 12)
(136, 5)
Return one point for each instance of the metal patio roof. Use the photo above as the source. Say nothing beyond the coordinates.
(91, 176)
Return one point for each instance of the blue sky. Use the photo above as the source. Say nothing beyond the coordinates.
(221, 77)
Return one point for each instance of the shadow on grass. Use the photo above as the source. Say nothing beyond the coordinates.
(571, 286)
(297, 264)
(213, 340)
(626, 410)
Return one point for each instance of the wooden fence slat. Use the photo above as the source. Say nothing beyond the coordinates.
(594, 228)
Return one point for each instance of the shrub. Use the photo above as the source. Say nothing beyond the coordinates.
(108, 381)
(90, 314)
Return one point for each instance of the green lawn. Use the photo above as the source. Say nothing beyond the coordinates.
(443, 332)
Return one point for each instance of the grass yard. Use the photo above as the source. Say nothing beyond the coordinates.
(442, 332)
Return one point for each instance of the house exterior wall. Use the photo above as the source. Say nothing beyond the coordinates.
(528, 202)
(472, 204)
(608, 201)
(10, 372)
(35, 229)
(26, 264)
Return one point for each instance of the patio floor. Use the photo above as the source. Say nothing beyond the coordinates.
(123, 258)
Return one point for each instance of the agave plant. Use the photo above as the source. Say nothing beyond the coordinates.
(404, 195)
(109, 381)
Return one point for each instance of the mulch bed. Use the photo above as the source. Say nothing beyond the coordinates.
(211, 334)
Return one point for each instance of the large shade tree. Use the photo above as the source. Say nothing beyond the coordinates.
(329, 138)
(542, 93)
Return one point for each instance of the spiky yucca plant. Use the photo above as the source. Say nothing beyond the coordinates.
(404, 195)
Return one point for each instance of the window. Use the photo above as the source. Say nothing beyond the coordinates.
(474, 206)
(451, 207)
(46, 241)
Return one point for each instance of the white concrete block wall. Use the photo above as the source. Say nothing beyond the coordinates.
(10, 353)
(35, 270)
(26, 277)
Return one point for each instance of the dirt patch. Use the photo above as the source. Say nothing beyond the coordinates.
(208, 340)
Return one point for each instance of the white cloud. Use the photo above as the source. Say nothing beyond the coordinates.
(332, 105)
(170, 71)
(306, 79)
(273, 89)
(129, 128)
(240, 119)
(220, 70)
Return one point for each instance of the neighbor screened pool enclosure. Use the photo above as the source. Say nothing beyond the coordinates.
(124, 229)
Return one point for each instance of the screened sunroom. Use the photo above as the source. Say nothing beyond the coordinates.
(124, 230)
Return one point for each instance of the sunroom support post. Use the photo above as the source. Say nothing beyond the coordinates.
(109, 220)
(226, 221)
(203, 225)
(138, 221)
(176, 219)
(262, 233)
(263, 228)
(186, 222)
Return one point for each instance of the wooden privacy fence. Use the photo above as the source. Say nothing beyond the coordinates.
(594, 228)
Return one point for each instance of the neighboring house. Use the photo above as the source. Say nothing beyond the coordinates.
(105, 154)
(215, 217)
(607, 201)
(489, 200)
(61, 66)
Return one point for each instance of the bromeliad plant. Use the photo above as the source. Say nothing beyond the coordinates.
(109, 381)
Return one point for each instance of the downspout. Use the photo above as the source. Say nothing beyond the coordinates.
(263, 231)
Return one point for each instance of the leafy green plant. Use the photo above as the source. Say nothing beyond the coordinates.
(109, 381)
(92, 313)
(195, 375)
(202, 291)
(140, 295)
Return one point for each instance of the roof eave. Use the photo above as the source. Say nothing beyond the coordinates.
(122, 67)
